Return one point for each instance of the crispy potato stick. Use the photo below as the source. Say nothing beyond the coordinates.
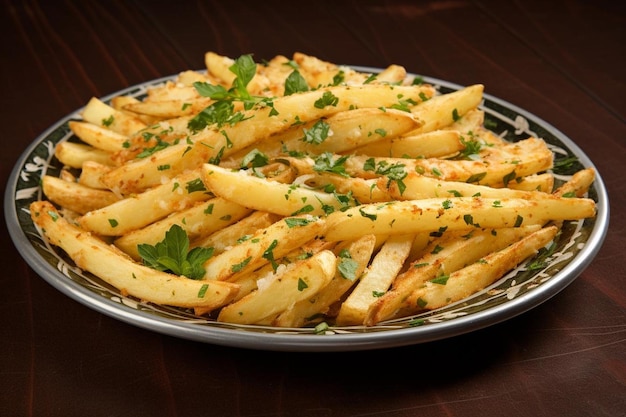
(264, 195)
(75, 196)
(304, 107)
(97, 136)
(188, 77)
(432, 144)
(356, 255)
(364, 191)
(137, 175)
(93, 255)
(536, 182)
(472, 123)
(443, 110)
(388, 170)
(180, 89)
(320, 73)
(376, 280)
(455, 213)
(248, 282)
(497, 168)
(142, 209)
(443, 256)
(416, 186)
(345, 131)
(477, 276)
(199, 220)
(287, 286)
(264, 246)
(169, 109)
(91, 174)
(229, 236)
(74, 155)
(101, 114)
(119, 102)
(392, 74)
(578, 185)
(140, 174)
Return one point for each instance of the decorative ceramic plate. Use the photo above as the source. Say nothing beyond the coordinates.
(517, 292)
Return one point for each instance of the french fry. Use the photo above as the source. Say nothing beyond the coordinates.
(496, 168)
(101, 114)
(248, 282)
(376, 280)
(362, 190)
(416, 186)
(76, 154)
(346, 130)
(432, 144)
(121, 217)
(201, 219)
(120, 102)
(229, 236)
(467, 281)
(264, 246)
(91, 174)
(578, 185)
(443, 110)
(372, 191)
(169, 109)
(313, 309)
(535, 182)
(288, 286)
(138, 175)
(75, 196)
(454, 213)
(444, 255)
(101, 259)
(98, 137)
(264, 195)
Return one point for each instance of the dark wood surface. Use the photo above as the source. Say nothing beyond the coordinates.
(561, 60)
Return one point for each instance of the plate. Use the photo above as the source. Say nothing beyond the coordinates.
(517, 292)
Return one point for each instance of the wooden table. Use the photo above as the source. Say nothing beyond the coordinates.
(563, 61)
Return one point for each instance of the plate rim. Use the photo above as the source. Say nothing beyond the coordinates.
(387, 338)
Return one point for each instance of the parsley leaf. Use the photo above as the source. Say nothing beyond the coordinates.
(172, 254)
(295, 83)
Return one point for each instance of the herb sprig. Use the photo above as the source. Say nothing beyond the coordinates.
(172, 254)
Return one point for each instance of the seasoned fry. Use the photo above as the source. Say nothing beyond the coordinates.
(445, 255)
(466, 281)
(338, 133)
(103, 260)
(263, 247)
(199, 220)
(276, 293)
(357, 255)
(454, 213)
(376, 280)
(271, 196)
(75, 196)
(300, 191)
(98, 137)
(74, 155)
(120, 218)
(101, 114)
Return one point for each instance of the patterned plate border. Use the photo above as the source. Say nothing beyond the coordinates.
(517, 292)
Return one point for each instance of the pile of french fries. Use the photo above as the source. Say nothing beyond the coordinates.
(357, 199)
